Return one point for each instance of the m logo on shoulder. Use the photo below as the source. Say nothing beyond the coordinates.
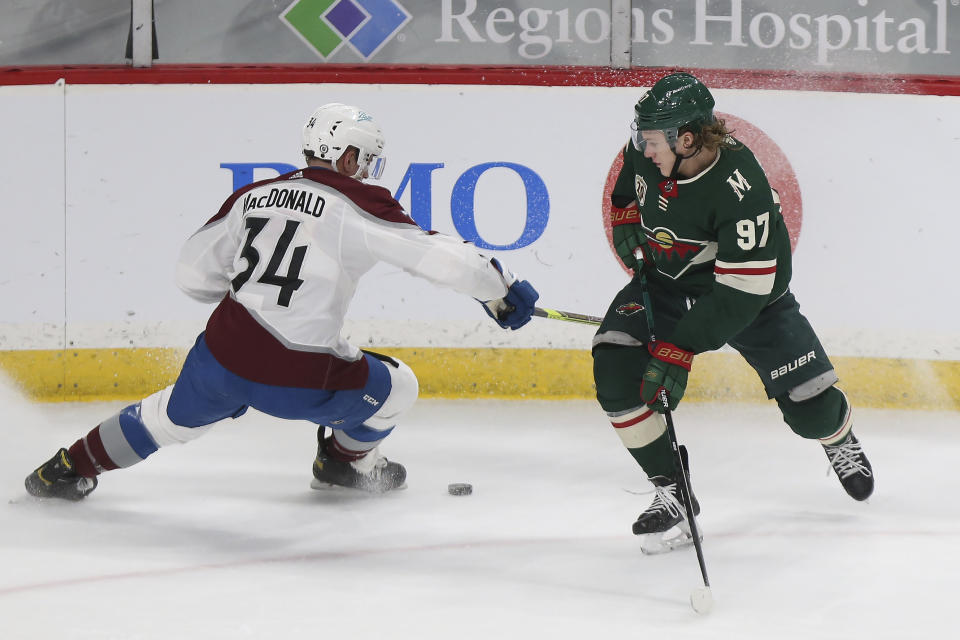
(738, 183)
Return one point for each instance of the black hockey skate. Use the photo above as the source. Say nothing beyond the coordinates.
(663, 526)
(56, 478)
(373, 472)
(851, 466)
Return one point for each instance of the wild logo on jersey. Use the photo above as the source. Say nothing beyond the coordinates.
(673, 255)
(629, 308)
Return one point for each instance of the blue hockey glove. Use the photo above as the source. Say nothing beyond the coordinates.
(516, 308)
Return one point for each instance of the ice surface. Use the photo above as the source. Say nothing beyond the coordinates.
(222, 538)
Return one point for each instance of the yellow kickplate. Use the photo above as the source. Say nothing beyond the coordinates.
(129, 374)
(74, 375)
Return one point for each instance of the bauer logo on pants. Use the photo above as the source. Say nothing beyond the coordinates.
(793, 366)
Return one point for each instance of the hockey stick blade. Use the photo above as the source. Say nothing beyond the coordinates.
(566, 316)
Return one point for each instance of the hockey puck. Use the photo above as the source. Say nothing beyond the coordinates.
(459, 489)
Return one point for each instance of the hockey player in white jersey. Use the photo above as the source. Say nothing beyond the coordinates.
(282, 258)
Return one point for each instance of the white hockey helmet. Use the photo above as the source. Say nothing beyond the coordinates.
(333, 127)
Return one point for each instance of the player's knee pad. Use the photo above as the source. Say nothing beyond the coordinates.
(816, 417)
(404, 389)
(813, 387)
(153, 414)
(617, 373)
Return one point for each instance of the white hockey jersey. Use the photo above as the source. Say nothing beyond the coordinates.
(284, 257)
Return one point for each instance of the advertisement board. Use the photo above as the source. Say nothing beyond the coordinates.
(104, 182)
(892, 37)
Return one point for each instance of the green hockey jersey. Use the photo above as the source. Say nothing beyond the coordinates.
(718, 238)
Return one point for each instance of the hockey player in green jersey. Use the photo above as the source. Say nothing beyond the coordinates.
(692, 211)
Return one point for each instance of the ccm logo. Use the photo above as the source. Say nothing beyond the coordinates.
(793, 366)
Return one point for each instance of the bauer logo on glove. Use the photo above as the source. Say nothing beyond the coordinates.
(669, 353)
(667, 370)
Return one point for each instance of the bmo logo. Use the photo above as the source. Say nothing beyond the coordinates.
(517, 201)
(779, 172)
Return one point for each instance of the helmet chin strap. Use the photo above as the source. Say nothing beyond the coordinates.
(675, 172)
(670, 186)
(355, 176)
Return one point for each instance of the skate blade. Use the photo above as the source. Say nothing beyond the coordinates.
(652, 544)
(327, 486)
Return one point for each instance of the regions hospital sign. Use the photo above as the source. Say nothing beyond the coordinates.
(363, 25)
(917, 36)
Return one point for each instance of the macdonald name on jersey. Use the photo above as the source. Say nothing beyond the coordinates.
(293, 199)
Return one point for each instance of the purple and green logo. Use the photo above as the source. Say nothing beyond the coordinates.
(364, 25)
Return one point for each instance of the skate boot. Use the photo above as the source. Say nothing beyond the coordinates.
(663, 526)
(56, 478)
(373, 472)
(851, 466)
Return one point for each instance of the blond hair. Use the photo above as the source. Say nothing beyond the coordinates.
(712, 136)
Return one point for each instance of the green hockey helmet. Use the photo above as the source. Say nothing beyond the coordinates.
(677, 101)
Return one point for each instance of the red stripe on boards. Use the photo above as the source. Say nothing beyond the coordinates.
(573, 76)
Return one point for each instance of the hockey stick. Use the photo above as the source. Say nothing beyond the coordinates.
(700, 599)
(553, 314)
